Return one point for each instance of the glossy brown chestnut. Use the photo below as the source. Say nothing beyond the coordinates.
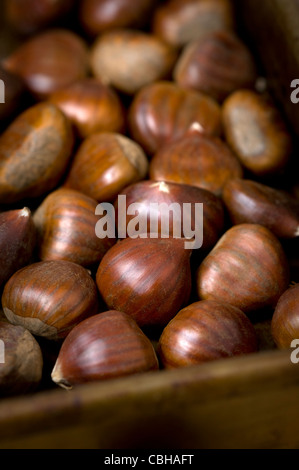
(50, 297)
(22, 365)
(151, 197)
(29, 16)
(206, 331)
(101, 15)
(149, 279)
(163, 111)
(255, 203)
(247, 268)
(35, 151)
(91, 106)
(180, 21)
(104, 164)
(285, 320)
(105, 346)
(65, 223)
(17, 241)
(217, 65)
(256, 132)
(49, 61)
(116, 54)
(198, 160)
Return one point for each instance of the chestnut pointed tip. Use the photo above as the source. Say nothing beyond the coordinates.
(196, 127)
(25, 212)
(58, 379)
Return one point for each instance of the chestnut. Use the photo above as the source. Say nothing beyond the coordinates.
(91, 106)
(49, 61)
(97, 16)
(115, 54)
(247, 268)
(105, 346)
(218, 64)
(65, 223)
(50, 297)
(163, 111)
(256, 132)
(206, 331)
(104, 164)
(151, 196)
(253, 202)
(180, 21)
(17, 241)
(196, 159)
(35, 151)
(147, 278)
(21, 361)
(285, 320)
(30, 16)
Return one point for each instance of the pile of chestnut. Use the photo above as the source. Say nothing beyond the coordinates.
(161, 102)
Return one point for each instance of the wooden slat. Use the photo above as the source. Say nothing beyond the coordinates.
(247, 402)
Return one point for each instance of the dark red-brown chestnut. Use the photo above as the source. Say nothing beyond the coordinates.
(147, 278)
(65, 222)
(103, 347)
(217, 65)
(91, 106)
(17, 241)
(50, 297)
(163, 111)
(49, 61)
(196, 159)
(206, 331)
(97, 16)
(30, 16)
(247, 268)
(180, 21)
(249, 201)
(285, 320)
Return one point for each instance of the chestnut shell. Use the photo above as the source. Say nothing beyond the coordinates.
(163, 111)
(102, 347)
(247, 268)
(285, 320)
(17, 241)
(196, 159)
(35, 151)
(256, 132)
(249, 201)
(50, 297)
(21, 371)
(149, 279)
(206, 331)
(65, 223)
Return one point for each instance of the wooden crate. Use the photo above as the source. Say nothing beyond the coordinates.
(240, 403)
(246, 402)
